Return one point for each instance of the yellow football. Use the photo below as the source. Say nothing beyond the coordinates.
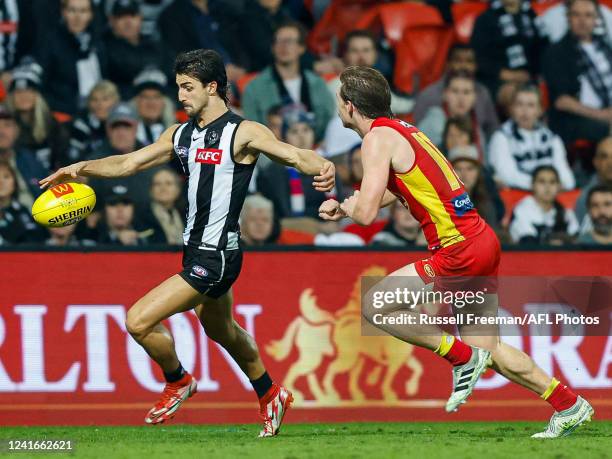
(64, 204)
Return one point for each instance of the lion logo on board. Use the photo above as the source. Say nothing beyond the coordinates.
(318, 334)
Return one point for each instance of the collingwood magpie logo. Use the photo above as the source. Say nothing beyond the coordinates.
(182, 152)
(211, 138)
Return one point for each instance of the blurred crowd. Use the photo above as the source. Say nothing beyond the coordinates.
(522, 110)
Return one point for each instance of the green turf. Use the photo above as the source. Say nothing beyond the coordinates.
(356, 440)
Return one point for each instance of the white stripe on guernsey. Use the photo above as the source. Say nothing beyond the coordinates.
(13, 11)
(192, 188)
(222, 190)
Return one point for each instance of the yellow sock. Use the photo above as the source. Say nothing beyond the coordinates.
(553, 384)
(446, 342)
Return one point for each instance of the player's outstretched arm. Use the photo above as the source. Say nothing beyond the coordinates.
(152, 155)
(256, 136)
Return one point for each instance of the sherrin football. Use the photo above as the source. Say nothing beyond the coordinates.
(64, 204)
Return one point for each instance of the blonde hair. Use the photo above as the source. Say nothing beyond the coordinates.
(106, 87)
(256, 201)
(41, 116)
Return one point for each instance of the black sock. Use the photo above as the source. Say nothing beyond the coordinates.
(175, 375)
(262, 384)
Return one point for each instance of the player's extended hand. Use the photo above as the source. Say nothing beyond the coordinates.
(326, 179)
(348, 205)
(330, 210)
(62, 174)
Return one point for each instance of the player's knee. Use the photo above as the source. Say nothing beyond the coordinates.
(224, 334)
(136, 327)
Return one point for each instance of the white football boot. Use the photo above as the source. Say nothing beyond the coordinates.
(564, 422)
(466, 376)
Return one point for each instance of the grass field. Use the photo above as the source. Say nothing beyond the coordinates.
(367, 440)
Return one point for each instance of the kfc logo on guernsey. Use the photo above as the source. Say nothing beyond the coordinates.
(62, 189)
(462, 204)
(208, 156)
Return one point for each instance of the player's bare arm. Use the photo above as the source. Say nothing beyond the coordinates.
(331, 209)
(256, 137)
(152, 155)
(377, 152)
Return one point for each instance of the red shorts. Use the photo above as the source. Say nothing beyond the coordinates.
(476, 257)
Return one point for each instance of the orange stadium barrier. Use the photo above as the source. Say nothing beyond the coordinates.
(65, 356)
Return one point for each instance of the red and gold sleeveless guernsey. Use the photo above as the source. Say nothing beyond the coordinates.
(432, 191)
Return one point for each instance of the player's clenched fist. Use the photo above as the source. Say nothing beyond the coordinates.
(330, 210)
(326, 179)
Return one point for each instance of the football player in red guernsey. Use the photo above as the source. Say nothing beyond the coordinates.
(400, 162)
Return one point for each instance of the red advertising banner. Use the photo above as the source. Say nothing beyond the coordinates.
(65, 356)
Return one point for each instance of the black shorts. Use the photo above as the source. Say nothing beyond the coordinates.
(211, 272)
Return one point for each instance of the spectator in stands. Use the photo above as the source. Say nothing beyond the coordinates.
(599, 204)
(150, 11)
(88, 131)
(72, 58)
(121, 127)
(190, 24)
(129, 52)
(461, 58)
(360, 49)
(287, 83)
(291, 192)
(508, 47)
(27, 168)
(16, 224)
(17, 34)
(39, 132)
(540, 218)
(603, 174)
(120, 226)
(163, 211)
(458, 132)
(274, 120)
(257, 221)
(554, 22)
(402, 230)
(465, 161)
(257, 23)
(63, 236)
(578, 71)
(524, 142)
(156, 110)
(458, 101)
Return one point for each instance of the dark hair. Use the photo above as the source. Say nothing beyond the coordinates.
(560, 224)
(302, 33)
(359, 33)
(206, 66)
(463, 123)
(448, 79)
(7, 166)
(457, 47)
(368, 90)
(597, 189)
(530, 88)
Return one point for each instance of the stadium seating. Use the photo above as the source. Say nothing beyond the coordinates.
(419, 37)
(464, 15)
(339, 18)
(511, 197)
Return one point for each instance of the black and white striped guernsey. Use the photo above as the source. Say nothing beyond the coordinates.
(217, 186)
